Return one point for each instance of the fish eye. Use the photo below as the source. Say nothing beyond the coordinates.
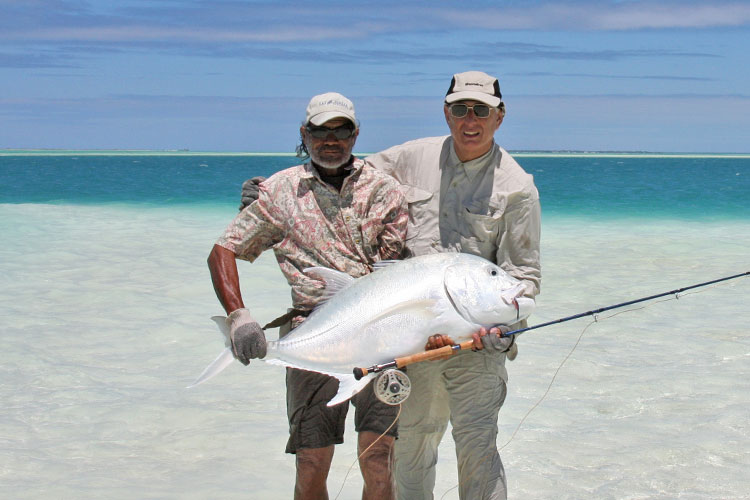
(493, 272)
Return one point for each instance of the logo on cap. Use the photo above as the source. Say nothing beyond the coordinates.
(474, 86)
(325, 107)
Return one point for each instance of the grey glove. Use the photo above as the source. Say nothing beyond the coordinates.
(250, 191)
(248, 339)
(493, 342)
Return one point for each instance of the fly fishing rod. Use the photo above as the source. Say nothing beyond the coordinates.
(623, 304)
(448, 350)
(414, 358)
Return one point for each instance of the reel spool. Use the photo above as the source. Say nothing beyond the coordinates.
(392, 387)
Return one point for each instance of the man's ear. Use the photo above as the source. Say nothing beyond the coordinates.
(447, 114)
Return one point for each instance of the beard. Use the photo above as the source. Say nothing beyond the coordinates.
(330, 157)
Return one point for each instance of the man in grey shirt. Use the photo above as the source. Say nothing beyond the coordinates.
(465, 194)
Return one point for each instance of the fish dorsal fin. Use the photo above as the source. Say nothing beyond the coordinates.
(335, 280)
(382, 264)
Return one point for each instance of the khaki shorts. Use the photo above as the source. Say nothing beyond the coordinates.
(312, 424)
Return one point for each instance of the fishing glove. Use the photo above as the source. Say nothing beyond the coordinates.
(248, 339)
(495, 343)
(250, 191)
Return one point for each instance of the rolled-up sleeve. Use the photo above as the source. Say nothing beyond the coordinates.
(519, 246)
(396, 219)
(253, 230)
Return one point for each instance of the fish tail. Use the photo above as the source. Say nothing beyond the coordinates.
(222, 361)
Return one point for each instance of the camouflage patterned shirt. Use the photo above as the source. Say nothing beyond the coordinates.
(308, 223)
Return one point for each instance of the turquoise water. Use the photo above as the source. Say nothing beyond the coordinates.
(105, 306)
(589, 185)
(161, 180)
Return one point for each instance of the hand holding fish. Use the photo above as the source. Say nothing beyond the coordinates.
(440, 340)
(246, 335)
(492, 339)
(436, 342)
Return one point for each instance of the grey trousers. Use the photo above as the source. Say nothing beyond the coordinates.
(468, 390)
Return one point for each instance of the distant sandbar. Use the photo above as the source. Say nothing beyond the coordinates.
(519, 154)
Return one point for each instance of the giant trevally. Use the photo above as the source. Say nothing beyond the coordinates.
(390, 313)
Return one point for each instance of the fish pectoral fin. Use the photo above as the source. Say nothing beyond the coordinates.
(222, 361)
(348, 387)
(335, 280)
(419, 309)
(382, 264)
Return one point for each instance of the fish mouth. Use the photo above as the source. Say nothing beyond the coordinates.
(511, 297)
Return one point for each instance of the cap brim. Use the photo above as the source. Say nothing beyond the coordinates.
(490, 100)
(321, 118)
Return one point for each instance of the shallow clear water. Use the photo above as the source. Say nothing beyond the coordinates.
(104, 312)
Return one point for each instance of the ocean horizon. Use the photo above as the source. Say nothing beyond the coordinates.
(520, 153)
(106, 300)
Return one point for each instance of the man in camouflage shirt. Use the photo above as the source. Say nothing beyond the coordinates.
(336, 212)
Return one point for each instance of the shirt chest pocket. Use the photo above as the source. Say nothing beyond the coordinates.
(479, 234)
(421, 210)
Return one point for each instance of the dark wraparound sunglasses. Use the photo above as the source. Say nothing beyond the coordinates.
(460, 110)
(340, 133)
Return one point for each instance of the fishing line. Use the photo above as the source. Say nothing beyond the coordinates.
(575, 346)
(676, 296)
(594, 312)
(534, 406)
(356, 460)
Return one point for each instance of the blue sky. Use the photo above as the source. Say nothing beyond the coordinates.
(653, 75)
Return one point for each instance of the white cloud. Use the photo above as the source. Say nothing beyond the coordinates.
(146, 34)
(576, 16)
(205, 23)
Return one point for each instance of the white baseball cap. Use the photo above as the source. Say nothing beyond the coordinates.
(475, 86)
(325, 107)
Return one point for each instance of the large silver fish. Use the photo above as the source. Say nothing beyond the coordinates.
(390, 313)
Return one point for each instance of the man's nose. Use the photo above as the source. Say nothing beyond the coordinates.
(330, 137)
(470, 116)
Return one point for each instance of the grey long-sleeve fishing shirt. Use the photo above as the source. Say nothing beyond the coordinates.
(488, 206)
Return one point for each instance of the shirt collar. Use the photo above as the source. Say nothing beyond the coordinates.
(475, 166)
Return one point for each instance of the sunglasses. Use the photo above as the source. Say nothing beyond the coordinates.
(340, 133)
(460, 110)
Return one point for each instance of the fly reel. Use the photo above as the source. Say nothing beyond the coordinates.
(392, 387)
